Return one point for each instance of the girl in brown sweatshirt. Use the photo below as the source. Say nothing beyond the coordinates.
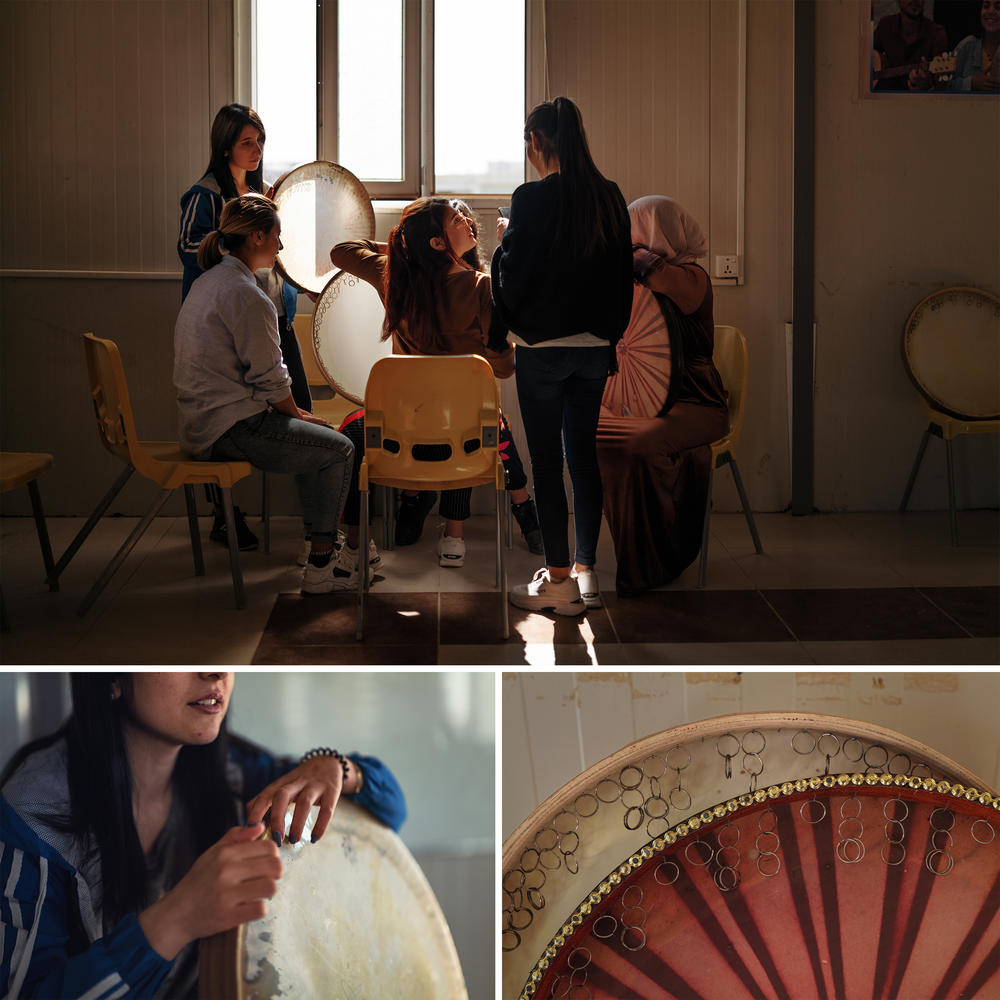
(438, 301)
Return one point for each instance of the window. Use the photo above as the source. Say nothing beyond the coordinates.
(412, 96)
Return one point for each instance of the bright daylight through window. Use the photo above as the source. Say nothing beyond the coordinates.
(473, 125)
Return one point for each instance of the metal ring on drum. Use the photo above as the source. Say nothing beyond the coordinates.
(354, 917)
(606, 848)
(347, 334)
(320, 204)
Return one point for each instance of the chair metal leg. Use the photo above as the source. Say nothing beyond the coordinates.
(952, 516)
(389, 521)
(234, 548)
(43, 534)
(703, 564)
(195, 534)
(81, 535)
(914, 471)
(510, 522)
(747, 513)
(362, 564)
(137, 532)
(265, 511)
(502, 568)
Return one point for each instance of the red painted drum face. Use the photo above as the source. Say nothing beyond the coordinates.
(347, 331)
(951, 349)
(861, 890)
(642, 383)
(704, 854)
(321, 204)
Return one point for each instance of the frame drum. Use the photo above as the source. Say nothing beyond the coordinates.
(594, 823)
(641, 386)
(347, 331)
(951, 350)
(354, 919)
(321, 204)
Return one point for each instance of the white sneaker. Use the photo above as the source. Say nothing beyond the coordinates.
(543, 594)
(340, 573)
(374, 557)
(589, 590)
(451, 551)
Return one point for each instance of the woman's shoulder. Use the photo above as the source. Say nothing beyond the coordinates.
(204, 185)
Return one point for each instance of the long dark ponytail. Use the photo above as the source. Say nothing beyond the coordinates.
(588, 208)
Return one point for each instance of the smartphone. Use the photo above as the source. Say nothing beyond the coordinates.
(502, 211)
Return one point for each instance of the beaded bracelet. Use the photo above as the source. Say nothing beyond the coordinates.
(327, 752)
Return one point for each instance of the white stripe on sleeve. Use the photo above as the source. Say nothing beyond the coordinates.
(21, 958)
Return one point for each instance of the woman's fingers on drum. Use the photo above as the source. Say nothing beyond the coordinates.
(303, 803)
(327, 804)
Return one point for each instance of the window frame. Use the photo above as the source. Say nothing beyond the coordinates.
(418, 91)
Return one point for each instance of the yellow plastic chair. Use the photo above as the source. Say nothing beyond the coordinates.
(22, 468)
(951, 352)
(419, 400)
(730, 357)
(163, 462)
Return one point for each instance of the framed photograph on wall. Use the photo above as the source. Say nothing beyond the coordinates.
(930, 46)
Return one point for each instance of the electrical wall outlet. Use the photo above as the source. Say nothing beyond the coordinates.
(726, 266)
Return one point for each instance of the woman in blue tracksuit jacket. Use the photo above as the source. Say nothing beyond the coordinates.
(135, 830)
(236, 167)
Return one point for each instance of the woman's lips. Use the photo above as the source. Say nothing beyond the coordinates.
(210, 706)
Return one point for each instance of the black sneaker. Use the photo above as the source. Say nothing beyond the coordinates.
(245, 539)
(527, 520)
(413, 512)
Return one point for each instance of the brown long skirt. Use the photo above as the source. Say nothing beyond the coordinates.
(655, 477)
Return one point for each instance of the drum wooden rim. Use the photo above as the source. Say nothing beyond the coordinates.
(933, 394)
(543, 814)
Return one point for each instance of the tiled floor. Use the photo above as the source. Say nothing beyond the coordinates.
(840, 588)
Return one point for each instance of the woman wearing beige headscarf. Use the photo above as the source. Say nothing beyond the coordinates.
(655, 470)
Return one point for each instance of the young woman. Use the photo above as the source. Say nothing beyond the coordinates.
(235, 168)
(135, 830)
(655, 471)
(977, 68)
(233, 391)
(562, 284)
(438, 302)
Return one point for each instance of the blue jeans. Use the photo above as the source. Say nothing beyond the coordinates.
(319, 457)
(560, 391)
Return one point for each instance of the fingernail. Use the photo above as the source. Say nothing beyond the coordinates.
(312, 838)
(293, 840)
(277, 837)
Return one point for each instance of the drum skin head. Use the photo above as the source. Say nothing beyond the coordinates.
(347, 332)
(354, 919)
(642, 383)
(320, 204)
(951, 350)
